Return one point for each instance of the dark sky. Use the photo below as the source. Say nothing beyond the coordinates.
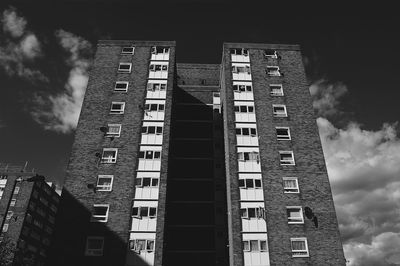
(356, 45)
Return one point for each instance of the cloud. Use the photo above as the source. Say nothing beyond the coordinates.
(326, 97)
(64, 108)
(12, 23)
(18, 52)
(364, 171)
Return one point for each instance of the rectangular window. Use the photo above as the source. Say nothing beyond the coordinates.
(250, 183)
(109, 155)
(117, 108)
(100, 213)
(270, 53)
(154, 107)
(294, 215)
(152, 130)
(246, 132)
(9, 215)
(273, 71)
(121, 86)
(299, 247)
(290, 185)
(242, 88)
(276, 89)
(239, 51)
(255, 245)
(244, 109)
(241, 69)
(104, 182)
(286, 158)
(279, 110)
(150, 155)
(16, 190)
(156, 67)
(282, 133)
(12, 203)
(147, 182)
(125, 67)
(128, 50)
(156, 86)
(5, 228)
(248, 156)
(159, 50)
(144, 212)
(113, 130)
(248, 213)
(140, 245)
(94, 246)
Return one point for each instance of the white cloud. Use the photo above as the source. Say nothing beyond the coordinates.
(326, 96)
(364, 171)
(12, 23)
(63, 113)
(16, 55)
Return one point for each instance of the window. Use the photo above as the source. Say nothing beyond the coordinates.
(294, 215)
(94, 246)
(282, 133)
(159, 50)
(244, 109)
(150, 155)
(156, 86)
(144, 212)
(9, 215)
(279, 110)
(5, 228)
(290, 185)
(248, 156)
(152, 130)
(250, 183)
(246, 132)
(255, 245)
(16, 190)
(242, 88)
(113, 130)
(117, 107)
(121, 86)
(125, 67)
(158, 67)
(147, 182)
(255, 212)
(286, 158)
(239, 51)
(139, 245)
(299, 247)
(276, 89)
(128, 50)
(154, 107)
(100, 213)
(109, 155)
(241, 69)
(270, 53)
(273, 71)
(12, 203)
(104, 182)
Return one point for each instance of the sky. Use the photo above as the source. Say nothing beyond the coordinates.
(351, 55)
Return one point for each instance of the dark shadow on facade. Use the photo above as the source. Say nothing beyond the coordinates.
(73, 226)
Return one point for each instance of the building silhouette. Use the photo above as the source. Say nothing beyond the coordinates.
(197, 164)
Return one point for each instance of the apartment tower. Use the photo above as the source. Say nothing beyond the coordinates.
(197, 164)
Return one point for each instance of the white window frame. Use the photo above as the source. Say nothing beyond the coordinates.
(303, 253)
(100, 218)
(117, 111)
(280, 93)
(283, 137)
(152, 86)
(128, 52)
(165, 50)
(139, 210)
(113, 134)
(153, 154)
(295, 220)
(246, 68)
(287, 162)
(124, 70)
(273, 71)
(241, 156)
(253, 181)
(146, 245)
(104, 187)
(258, 212)
(16, 190)
(243, 51)
(247, 109)
(13, 202)
(109, 160)
(153, 67)
(290, 189)
(275, 55)
(94, 252)
(126, 83)
(139, 181)
(147, 107)
(249, 128)
(279, 114)
(155, 130)
(242, 88)
(248, 241)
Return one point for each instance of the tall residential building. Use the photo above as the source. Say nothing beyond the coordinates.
(197, 164)
(28, 207)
